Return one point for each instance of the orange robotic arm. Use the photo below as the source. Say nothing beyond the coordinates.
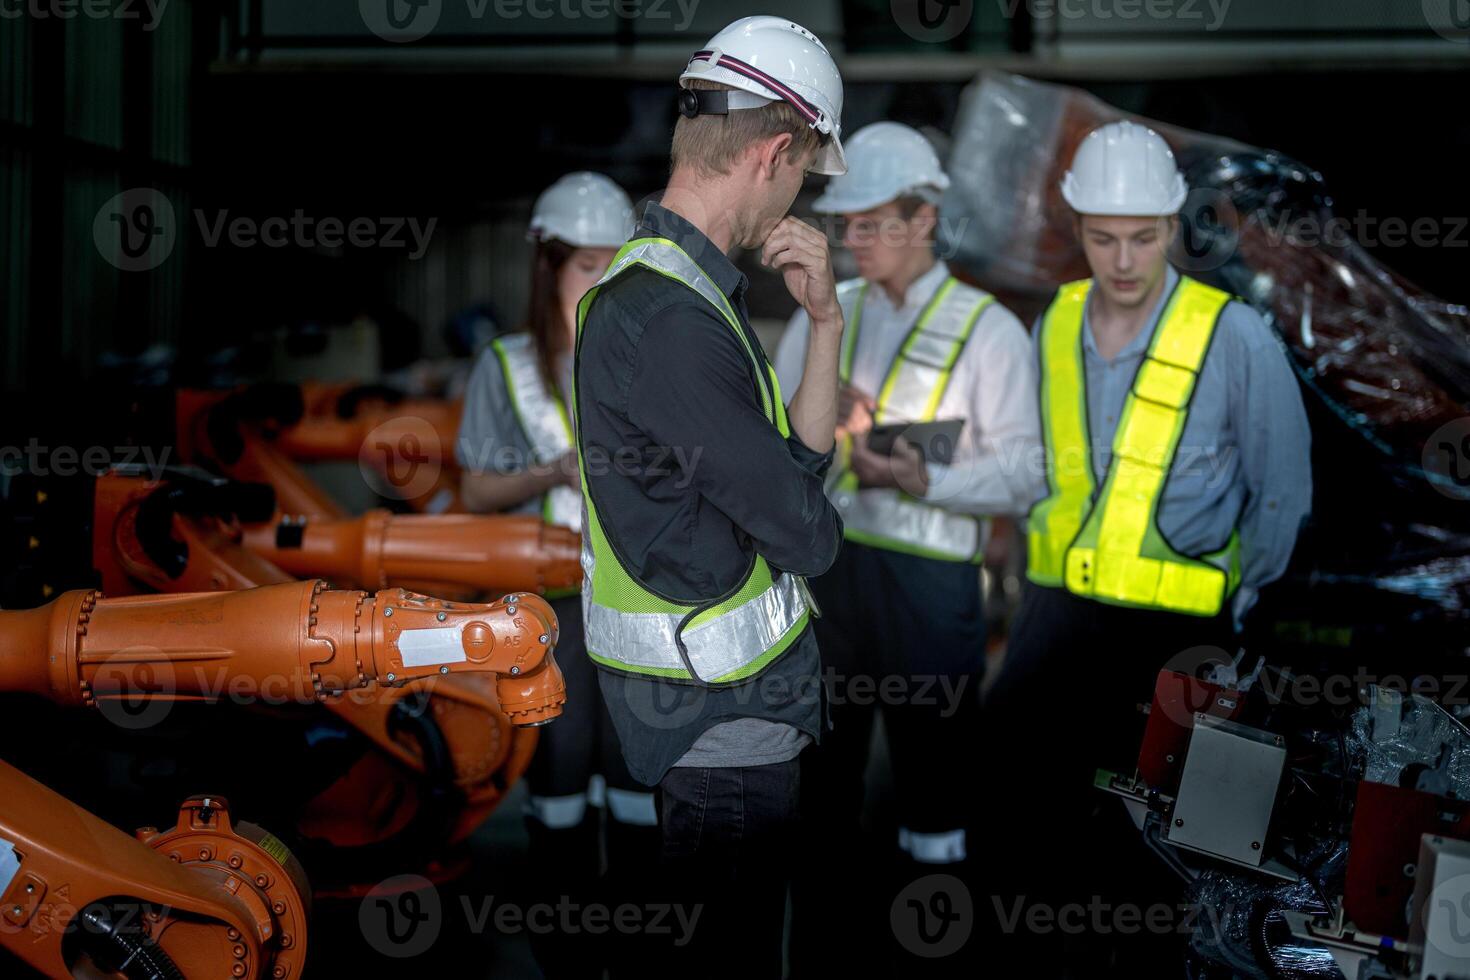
(300, 641)
(203, 899)
(487, 552)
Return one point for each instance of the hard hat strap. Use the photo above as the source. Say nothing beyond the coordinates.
(717, 102)
(719, 59)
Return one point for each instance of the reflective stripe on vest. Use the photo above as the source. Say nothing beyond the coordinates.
(1111, 550)
(543, 421)
(630, 628)
(885, 517)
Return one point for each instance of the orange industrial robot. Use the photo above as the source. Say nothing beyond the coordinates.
(184, 533)
(210, 898)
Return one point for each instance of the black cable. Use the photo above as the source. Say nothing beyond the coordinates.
(137, 956)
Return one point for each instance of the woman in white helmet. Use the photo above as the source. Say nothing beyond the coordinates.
(515, 445)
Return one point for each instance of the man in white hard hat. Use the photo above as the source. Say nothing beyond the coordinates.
(1178, 476)
(703, 489)
(901, 606)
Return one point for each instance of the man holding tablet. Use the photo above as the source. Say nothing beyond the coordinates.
(937, 426)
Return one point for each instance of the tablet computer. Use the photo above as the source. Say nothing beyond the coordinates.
(936, 440)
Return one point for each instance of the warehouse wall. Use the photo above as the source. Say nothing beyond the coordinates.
(91, 105)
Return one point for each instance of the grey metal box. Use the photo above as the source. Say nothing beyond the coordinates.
(1441, 904)
(1228, 789)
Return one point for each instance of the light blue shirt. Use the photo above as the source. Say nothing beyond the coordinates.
(1244, 459)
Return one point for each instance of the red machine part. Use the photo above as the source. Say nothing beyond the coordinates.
(216, 900)
(1177, 699)
(1387, 824)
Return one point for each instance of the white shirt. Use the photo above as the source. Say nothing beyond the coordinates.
(993, 388)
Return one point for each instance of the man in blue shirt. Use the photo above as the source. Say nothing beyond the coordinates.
(1177, 460)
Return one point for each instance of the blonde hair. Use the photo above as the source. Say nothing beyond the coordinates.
(711, 143)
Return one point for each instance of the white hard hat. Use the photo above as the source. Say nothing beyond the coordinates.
(1127, 169)
(584, 209)
(887, 160)
(773, 58)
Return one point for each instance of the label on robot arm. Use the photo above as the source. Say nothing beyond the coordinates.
(431, 647)
(9, 864)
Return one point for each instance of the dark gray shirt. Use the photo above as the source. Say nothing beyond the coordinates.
(690, 479)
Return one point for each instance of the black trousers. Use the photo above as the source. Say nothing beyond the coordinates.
(728, 848)
(905, 636)
(1066, 869)
(569, 848)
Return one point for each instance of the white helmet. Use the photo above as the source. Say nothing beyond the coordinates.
(583, 209)
(1127, 169)
(773, 58)
(889, 160)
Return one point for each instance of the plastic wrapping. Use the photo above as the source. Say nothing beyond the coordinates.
(1395, 736)
(1244, 930)
(1391, 358)
(1386, 366)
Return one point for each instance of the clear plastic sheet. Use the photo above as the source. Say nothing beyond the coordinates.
(1242, 924)
(1390, 358)
(1395, 733)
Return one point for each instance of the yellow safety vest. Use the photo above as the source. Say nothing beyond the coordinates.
(543, 420)
(631, 629)
(1106, 545)
(884, 517)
